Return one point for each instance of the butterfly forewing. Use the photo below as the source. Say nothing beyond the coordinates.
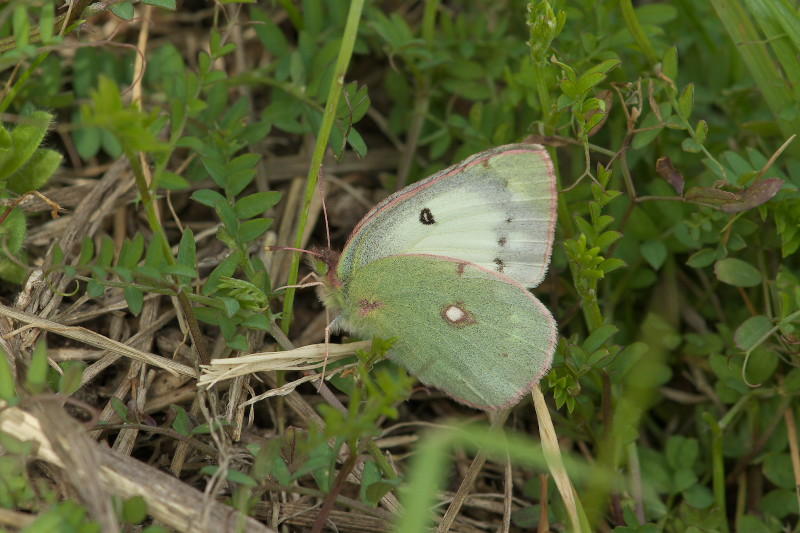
(495, 209)
(475, 334)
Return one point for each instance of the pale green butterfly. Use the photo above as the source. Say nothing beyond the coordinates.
(444, 266)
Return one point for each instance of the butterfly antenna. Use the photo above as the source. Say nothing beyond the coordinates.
(276, 248)
(324, 207)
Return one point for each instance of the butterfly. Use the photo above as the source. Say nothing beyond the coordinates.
(444, 266)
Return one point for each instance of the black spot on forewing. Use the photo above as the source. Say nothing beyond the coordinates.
(509, 220)
(500, 264)
(426, 217)
(502, 241)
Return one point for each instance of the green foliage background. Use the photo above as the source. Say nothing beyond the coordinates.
(674, 281)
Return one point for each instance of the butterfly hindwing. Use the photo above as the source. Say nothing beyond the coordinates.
(496, 209)
(477, 335)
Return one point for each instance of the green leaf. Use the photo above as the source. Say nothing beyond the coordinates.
(217, 171)
(172, 181)
(187, 253)
(87, 251)
(737, 272)
(123, 10)
(238, 180)
(21, 25)
(226, 215)
(654, 252)
(701, 131)
(180, 270)
(134, 298)
(239, 342)
(225, 269)
(36, 378)
(686, 102)
(702, 258)
(669, 63)
(752, 331)
(35, 172)
(256, 204)
(134, 510)
(70, 380)
(599, 337)
(691, 146)
(120, 408)
(181, 424)
(258, 322)
(682, 452)
(253, 229)
(778, 469)
(8, 390)
(231, 306)
(207, 197)
(95, 289)
(163, 4)
(241, 478)
(26, 137)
